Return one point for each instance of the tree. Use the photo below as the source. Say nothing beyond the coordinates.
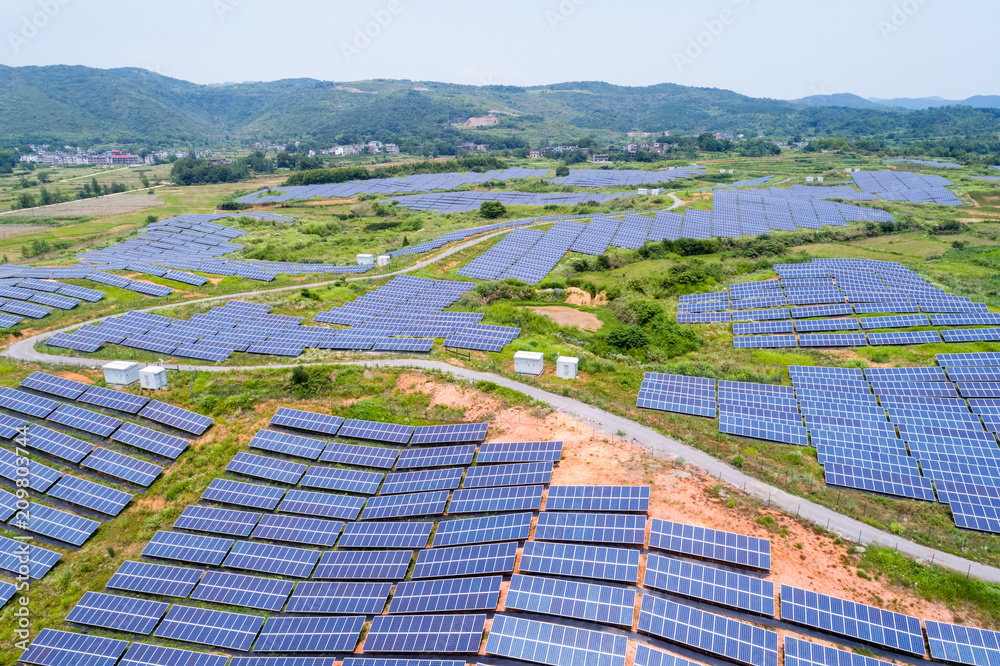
(627, 337)
(406, 241)
(492, 209)
(95, 187)
(299, 376)
(25, 200)
(562, 170)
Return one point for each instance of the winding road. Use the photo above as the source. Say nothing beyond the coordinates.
(611, 424)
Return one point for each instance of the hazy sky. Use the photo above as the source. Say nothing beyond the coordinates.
(769, 48)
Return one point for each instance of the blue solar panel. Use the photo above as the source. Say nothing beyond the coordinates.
(647, 656)
(582, 601)
(447, 595)
(495, 500)
(433, 634)
(704, 583)
(252, 495)
(553, 644)
(111, 611)
(101, 425)
(516, 474)
(217, 521)
(591, 527)
(443, 434)
(515, 452)
(209, 627)
(292, 445)
(176, 417)
(360, 455)
(961, 644)
(239, 590)
(187, 548)
(439, 457)
(386, 535)
(339, 598)
(150, 440)
(152, 578)
(263, 467)
(346, 480)
(364, 565)
(298, 529)
(483, 530)
(55, 524)
(422, 481)
(26, 403)
(46, 383)
(55, 443)
(709, 544)
(62, 648)
(323, 505)
(707, 632)
(141, 654)
(268, 558)
(848, 618)
(13, 466)
(374, 430)
(598, 498)
(401, 506)
(472, 560)
(90, 495)
(14, 552)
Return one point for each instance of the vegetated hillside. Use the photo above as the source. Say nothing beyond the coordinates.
(128, 105)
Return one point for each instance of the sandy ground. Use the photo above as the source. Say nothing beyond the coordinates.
(575, 296)
(800, 557)
(75, 377)
(570, 317)
(117, 204)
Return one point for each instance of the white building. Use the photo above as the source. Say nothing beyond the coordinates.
(153, 377)
(121, 373)
(566, 367)
(366, 259)
(529, 363)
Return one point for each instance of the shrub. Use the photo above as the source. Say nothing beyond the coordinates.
(627, 337)
(492, 209)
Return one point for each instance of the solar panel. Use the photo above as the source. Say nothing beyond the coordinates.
(402, 506)
(158, 579)
(25, 559)
(292, 445)
(150, 440)
(386, 535)
(439, 457)
(364, 565)
(336, 478)
(239, 590)
(269, 558)
(141, 654)
(647, 656)
(443, 434)
(553, 644)
(483, 530)
(496, 500)
(848, 618)
(361, 455)
(217, 521)
(62, 648)
(516, 474)
(707, 632)
(55, 524)
(598, 498)
(434, 634)
(422, 481)
(582, 601)
(210, 627)
(339, 598)
(90, 495)
(323, 505)
(26, 403)
(252, 495)
(716, 586)
(376, 431)
(471, 560)
(591, 527)
(709, 544)
(515, 452)
(298, 529)
(46, 383)
(13, 466)
(176, 417)
(187, 548)
(961, 644)
(911, 486)
(55, 443)
(111, 611)
(101, 425)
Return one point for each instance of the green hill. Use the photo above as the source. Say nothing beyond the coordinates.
(134, 106)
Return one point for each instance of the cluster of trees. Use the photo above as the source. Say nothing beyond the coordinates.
(297, 161)
(194, 171)
(344, 174)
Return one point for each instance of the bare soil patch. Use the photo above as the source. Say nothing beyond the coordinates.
(576, 296)
(564, 316)
(75, 377)
(115, 204)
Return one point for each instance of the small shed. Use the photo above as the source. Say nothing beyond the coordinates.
(566, 367)
(384, 259)
(121, 373)
(153, 377)
(529, 363)
(366, 259)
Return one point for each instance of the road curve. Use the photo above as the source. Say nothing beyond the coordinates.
(611, 424)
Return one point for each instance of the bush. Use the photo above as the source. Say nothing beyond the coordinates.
(492, 209)
(627, 337)
(562, 170)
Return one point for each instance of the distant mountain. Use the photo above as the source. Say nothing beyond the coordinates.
(846, 100)
(911, 104)
(135, 107)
